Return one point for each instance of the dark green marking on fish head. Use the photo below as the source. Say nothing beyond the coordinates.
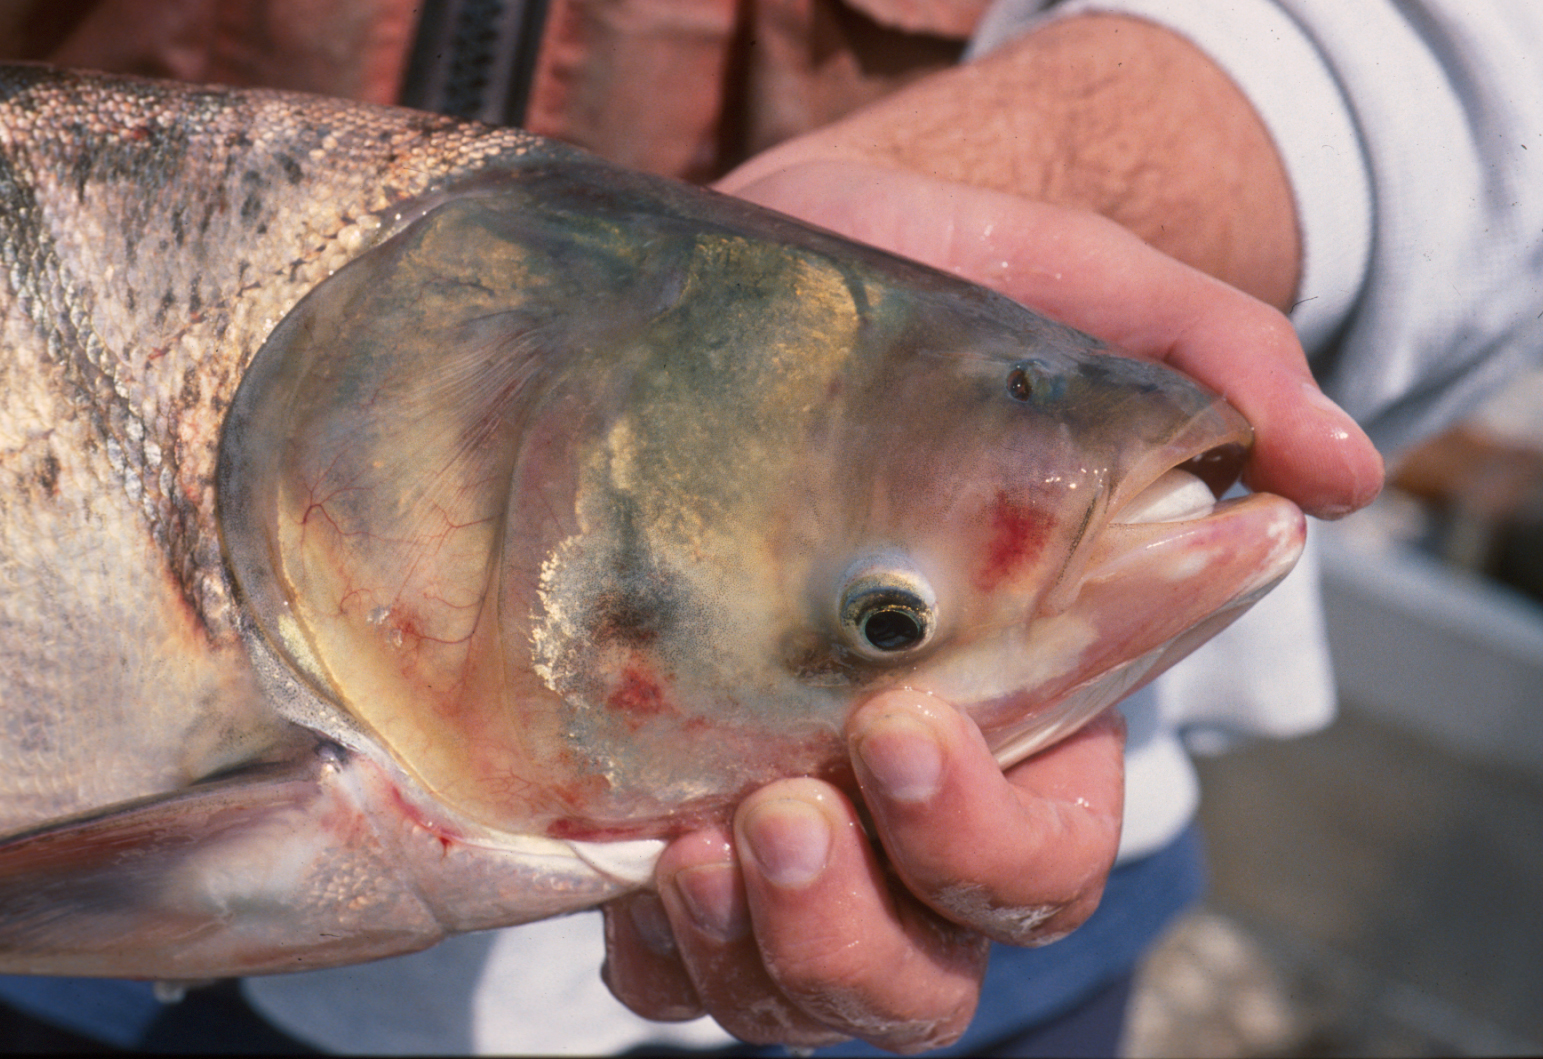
(598, 501)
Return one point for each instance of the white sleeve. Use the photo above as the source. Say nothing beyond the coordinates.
(1412, 133)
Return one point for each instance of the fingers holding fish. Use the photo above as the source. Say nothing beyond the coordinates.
(697, 929)
(806, 938)
(643, 967)
(808, 931)
(1307, 448)
(1023, 860)
(1093, 274)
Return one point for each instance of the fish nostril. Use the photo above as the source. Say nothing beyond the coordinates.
(1031, 382)
(1019, 386)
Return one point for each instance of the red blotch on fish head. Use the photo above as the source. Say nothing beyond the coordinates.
(1017, 536)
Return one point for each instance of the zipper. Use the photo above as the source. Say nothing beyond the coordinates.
(475, 58)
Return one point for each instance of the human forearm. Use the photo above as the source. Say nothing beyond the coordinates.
(1106, 113)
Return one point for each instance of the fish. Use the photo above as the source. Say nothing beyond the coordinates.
(408, 526)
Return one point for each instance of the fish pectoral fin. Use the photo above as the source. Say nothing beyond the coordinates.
(273, 868)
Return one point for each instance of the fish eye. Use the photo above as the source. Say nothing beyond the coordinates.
(1020, 387)
(1033, 383)
(895, 622)
(887, 610)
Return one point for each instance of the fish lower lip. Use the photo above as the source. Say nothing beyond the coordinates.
(1145, 590)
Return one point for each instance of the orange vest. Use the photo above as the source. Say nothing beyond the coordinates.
(687, 88)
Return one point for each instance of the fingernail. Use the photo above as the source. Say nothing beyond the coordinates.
(714, 900)
(790, 841)
(902, 756)
(1345, 427)
(1347, 434)
(652, 924)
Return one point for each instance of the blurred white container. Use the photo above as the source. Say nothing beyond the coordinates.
(1447, 653)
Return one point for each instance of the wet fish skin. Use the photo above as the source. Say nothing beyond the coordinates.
(218, 763)
(151, 236)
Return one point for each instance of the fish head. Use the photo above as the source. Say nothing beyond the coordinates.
(592, 503)
(1036, 525)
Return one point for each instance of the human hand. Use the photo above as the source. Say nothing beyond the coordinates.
(1050, 169)
(1095, 275)
(791, 928)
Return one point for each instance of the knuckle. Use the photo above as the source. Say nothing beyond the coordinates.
(881, 1021)
(646, 999)
(918, 998)
(974, 906)
(1013, 917)
(771, 1020)
(746, 1003)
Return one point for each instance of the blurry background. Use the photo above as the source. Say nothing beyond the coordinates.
(1377, 887)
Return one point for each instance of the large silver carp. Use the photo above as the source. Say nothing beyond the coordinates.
(407, 526)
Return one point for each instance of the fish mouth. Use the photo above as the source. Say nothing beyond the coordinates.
(1180, 479)
(1183, 478)
(1170, 564)
(1189, 490)
(1181, 545)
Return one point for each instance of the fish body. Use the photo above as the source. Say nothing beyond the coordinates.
(407, 526)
